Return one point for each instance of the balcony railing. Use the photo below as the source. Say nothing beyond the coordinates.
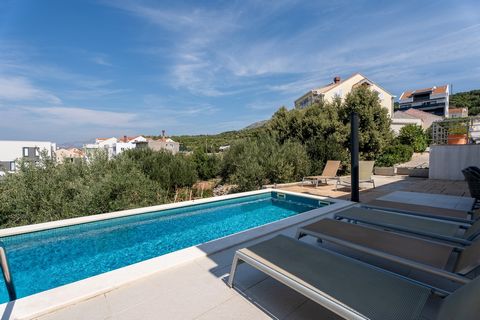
(456, 131)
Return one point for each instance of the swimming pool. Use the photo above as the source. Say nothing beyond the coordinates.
(50, 258)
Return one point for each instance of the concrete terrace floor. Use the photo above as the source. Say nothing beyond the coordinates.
(197, 289)
(385, 185)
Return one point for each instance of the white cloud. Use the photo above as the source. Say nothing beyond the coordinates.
(16, 89)
(83, 116)
(101, 60)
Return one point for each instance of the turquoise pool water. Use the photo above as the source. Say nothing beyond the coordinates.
(47, 259)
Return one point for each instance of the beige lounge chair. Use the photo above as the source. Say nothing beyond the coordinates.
(353, 289)
(365, 172)
(329, 172)
(416, 253)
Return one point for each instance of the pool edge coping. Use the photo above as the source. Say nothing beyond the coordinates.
(40, 304)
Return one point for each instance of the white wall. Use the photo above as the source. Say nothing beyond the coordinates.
(123, 146)
(447, 161)
(11, 150)
(346, 86)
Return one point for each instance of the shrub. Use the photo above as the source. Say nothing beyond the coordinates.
(207, 165)
(414, 136)
(170, 171)
(49, 192)
(394, 154)
(252, 163)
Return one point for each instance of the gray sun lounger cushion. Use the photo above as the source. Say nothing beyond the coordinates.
(433, 212)
(423, 251)
(350, 288)
(353, 286)
(385, 218)
(438, 229)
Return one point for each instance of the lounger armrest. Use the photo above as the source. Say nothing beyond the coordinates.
(409, 263)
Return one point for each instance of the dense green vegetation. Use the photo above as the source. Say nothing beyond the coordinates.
(309, 136)
(49, 191)
(469, 99)
(413, 136)
(252, 163)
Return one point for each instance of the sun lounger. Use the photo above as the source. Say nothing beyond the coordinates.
(329, 172)
(436, 229)
(365, 172)
(417, 253)
(350, 288)
(425, 211)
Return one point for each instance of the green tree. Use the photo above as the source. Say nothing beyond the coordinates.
(252, 163)
(414, 136)
(374, 124)
(207, 165)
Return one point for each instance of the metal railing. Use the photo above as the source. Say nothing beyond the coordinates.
(456, 131)
(7, 276)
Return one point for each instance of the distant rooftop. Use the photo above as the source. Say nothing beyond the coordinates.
(433, 90)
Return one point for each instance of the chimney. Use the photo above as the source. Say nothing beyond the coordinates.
(163, 133)
(124, 138)
(336, 79)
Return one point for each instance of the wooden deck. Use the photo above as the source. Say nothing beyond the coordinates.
(386, 185)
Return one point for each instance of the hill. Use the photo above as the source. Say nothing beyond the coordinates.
(469, 99)
(211, 142)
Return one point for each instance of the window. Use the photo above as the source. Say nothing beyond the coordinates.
(25, 151)
(37, 152)
(12, 166)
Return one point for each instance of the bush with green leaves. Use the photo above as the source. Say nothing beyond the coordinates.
(249, 164)
(47, 191)
(414, 136)
(170, 171)
(395, 154)
(206, 164)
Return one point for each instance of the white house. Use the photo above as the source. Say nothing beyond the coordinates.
(12, 151)
(113, 146)
(340, 88)
(127, 143)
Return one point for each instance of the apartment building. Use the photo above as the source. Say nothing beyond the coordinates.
(340, 88)
(12, 151)
(433, 100)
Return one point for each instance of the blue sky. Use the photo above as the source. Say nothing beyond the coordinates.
(74, 70)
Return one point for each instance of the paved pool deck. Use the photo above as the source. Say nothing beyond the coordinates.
(198, 290)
